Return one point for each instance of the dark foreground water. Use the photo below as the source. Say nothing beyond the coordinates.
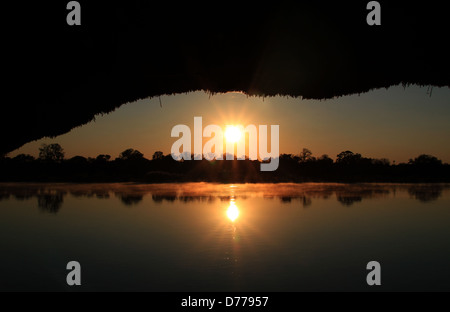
(216, 237)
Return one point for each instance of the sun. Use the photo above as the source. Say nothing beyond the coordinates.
(232, 134)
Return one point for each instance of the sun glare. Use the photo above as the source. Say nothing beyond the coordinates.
(232, 134)
(232, 211)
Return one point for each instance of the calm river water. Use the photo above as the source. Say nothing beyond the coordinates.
(224, 237)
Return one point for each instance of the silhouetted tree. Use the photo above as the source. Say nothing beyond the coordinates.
(77, 159)
(131, 154)
(325, 160)
(425, 160)
(158, 155)
(23, 158)
(381, 162)
(284, 157)
(103, 158)
(347, 158)
(53, 152)
(305, 155)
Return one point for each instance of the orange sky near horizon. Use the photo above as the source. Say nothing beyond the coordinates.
(397, 123)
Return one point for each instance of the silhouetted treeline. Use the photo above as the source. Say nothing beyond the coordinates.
(131, 165)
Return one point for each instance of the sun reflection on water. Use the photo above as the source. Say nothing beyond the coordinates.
(232, 211)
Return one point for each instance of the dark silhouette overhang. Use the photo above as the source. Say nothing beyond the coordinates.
(61, 76)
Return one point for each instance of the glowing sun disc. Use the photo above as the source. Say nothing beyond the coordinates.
(232, 134)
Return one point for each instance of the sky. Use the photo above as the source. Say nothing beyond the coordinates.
(396, 123)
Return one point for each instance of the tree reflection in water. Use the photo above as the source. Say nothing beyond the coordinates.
(50, 197)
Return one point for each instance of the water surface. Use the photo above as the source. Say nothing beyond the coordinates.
(222, 237)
